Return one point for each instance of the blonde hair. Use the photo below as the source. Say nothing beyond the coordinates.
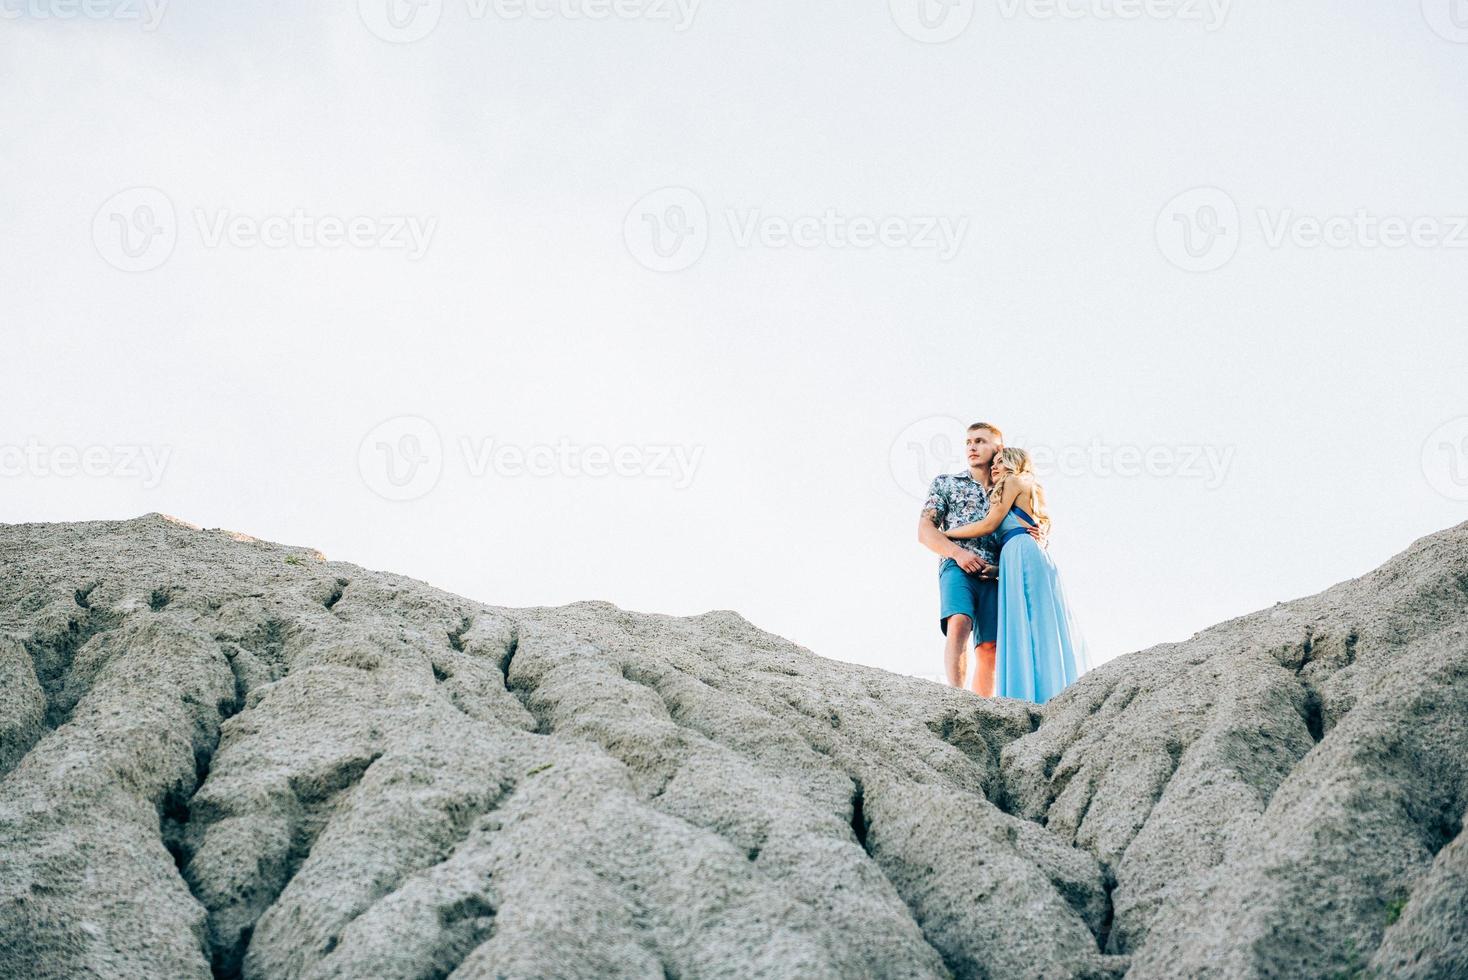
(1018, 463)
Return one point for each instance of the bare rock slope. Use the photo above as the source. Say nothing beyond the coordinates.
(226, 757)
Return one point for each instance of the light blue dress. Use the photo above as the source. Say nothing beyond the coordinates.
(1041, 651)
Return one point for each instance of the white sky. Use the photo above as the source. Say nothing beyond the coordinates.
(809, 384)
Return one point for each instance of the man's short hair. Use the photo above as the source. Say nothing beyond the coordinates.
(990, 426)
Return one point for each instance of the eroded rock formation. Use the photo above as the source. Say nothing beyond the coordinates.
(226, 757)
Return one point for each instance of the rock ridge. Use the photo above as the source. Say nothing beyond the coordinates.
(224, 757)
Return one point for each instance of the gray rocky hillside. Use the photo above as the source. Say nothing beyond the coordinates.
(222, 756)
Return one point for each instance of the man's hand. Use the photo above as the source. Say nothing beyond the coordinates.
(989, 573)
(968, 561)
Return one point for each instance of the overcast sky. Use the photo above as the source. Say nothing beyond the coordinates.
(680, 305)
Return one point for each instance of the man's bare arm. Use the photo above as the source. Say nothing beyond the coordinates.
(938, 543)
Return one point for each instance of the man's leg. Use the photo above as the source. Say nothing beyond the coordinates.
(986, 635)
(955, 649)
(984, 670)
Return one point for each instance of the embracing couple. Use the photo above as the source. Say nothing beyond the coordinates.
(996, 582)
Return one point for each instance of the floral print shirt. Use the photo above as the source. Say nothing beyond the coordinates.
(958, 499)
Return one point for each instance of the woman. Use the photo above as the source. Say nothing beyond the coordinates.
(1041, 652)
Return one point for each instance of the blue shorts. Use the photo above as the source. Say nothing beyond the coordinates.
(960, 593)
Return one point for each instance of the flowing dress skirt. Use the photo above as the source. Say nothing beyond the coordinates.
(1041, 651)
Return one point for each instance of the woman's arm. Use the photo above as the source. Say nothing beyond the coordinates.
(1012, 490)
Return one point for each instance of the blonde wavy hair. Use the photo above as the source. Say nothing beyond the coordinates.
(1018, 463)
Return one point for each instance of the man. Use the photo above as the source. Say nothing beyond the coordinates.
(968, 575)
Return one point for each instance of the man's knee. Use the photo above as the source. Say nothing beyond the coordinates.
(959, 625)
